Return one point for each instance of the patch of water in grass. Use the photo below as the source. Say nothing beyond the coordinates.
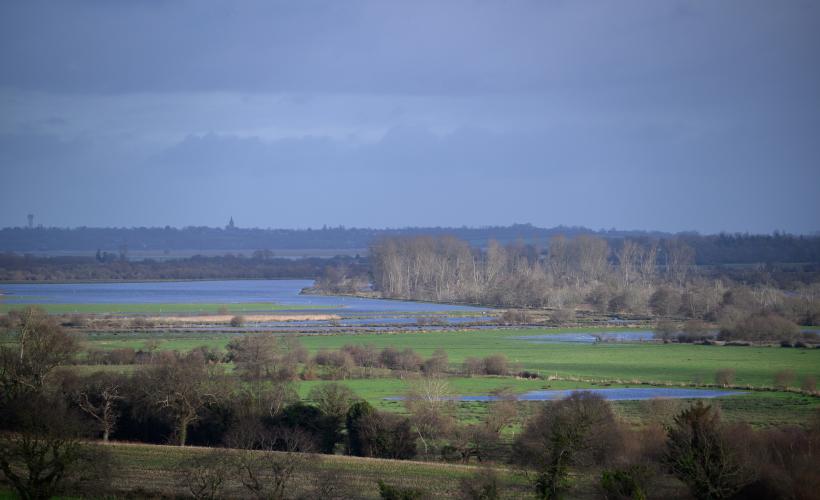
(588, 337)
(613, 394)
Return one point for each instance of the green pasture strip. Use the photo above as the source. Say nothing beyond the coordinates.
(636, 361)
(161, 308)
(626, 362)
(166, 343)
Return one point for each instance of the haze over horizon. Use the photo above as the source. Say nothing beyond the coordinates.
(669, 116)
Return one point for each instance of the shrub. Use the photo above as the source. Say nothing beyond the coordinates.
(664, 301)
(389, 492)
(809, 384)
(483, 486)
(515, 317)
(473, 366)
(204, 476)
(628, 483)
(237, 321)
(563, 315)
(437, 363)
(725, 377)
(702, 455)
(784, 379)
(666, 330)
(376, 434)
(578, 430)
(496, 364)
(762, 327)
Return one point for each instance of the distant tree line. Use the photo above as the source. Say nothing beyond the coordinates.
(708, 250)
(259, 265)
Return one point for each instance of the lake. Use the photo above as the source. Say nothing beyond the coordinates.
(284, 292)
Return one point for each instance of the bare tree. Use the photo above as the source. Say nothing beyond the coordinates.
(204, 475)
(679, 259)
(256, 356)
(41, 346)
(430, 404)
(267, 471)
(183, 387)
(333, 399)
(98, 397)
(629, 258)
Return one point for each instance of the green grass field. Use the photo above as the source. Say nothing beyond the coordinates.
(188, 308)
(628, 362)
(622, 361)
(618, 365)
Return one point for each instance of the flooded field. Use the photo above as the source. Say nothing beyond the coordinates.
(588, 337)
(281, 292)
(613, 394)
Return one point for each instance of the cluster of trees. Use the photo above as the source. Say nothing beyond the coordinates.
(632, 276)
(29, 268)
(713, 458)
(569, 272)
(284, 358)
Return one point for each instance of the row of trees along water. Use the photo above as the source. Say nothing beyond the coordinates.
(642, 276)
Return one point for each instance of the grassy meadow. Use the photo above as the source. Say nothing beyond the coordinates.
(628, 362)
(570, 365)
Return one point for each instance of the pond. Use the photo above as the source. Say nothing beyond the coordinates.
(613, 394)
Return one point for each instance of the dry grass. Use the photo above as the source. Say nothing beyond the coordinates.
(149, 471)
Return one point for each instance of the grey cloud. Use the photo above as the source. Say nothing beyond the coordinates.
(635, 114)
(425, 47)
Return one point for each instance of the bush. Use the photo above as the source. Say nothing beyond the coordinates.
(237, 321)
(704, 456)
(376, 434)
(629, 483)
(389, 492)
(784, 379)
(483, 486)
(664, 301)
(762, 327)
(725, 377)
(666, 330)
(496, 364)
(473, 366)
(578, 430)
(809, 384)
(515, 317)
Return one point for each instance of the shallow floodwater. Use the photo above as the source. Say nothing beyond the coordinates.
(613, 394)
(285, 292)
(588, 337)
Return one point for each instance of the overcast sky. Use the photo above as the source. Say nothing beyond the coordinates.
(668, 115)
